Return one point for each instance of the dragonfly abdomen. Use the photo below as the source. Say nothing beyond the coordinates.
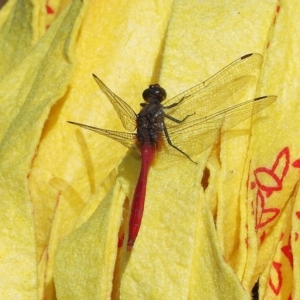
(137, 207)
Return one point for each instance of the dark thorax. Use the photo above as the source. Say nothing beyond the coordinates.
(150, 122)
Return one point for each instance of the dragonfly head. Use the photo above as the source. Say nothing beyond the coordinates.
(154, 91)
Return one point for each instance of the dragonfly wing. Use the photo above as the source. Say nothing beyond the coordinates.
(232, 116)
(205, 137)
(208, 95)
(124, 111)
(195, 136)
(125, 138)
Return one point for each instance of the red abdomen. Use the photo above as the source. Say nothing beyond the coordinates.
(137, 207)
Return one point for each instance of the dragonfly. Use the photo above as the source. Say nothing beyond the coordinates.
(183, 126)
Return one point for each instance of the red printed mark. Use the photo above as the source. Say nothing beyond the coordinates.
(270, 180)
(262, 237)
(278, 9)
(120, 241)
(266, 215)
(281, 236)
(296, 164)
(287, 251)
(267, 181)
(49, 10)
(276, 284)
(274, 21)
(297, 213)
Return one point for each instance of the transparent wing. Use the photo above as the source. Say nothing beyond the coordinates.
(125, 138)
(124, 111)
(206, 96)
(197, 135)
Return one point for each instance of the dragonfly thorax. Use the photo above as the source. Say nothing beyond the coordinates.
(154, 91)
(150, 123)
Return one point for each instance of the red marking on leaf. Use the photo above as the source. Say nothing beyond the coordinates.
(120, 241)
(277, 11)
(267, 215)
(296, 236)
(252, 207)
(278, 8)
(276, 287)
(281, 236)
(252, 185)
(262, 237)
(276, 174)
(296, 164)
(298, 214)
(49, 10)
(287, 251)
(290, 297)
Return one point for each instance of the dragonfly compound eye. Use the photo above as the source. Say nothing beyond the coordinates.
(154, 91)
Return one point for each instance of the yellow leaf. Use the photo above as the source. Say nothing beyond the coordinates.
(27, 94)
(65, 203)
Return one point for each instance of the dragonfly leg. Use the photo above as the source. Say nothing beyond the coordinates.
(176, 120)
(171, 144)
(174, 104)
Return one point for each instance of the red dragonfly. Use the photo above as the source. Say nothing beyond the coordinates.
(180, 126)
